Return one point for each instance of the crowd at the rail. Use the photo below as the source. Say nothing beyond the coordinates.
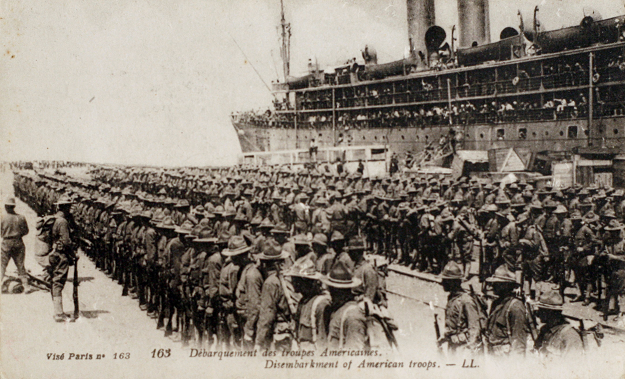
(262, 257)
(570, 103)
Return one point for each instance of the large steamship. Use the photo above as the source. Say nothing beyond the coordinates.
(533, 89)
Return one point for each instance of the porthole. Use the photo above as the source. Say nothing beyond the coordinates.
(546, 132)
(533, 134)
(615, 131)
(561, 133)
(402, 137)
(482, 135)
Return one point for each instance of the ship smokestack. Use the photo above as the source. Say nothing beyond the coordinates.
(420, 18)
(474, 22)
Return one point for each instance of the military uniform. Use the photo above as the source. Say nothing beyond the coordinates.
(507, 327)
(13, 227)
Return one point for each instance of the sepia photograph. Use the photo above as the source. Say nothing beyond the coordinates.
(312, 188)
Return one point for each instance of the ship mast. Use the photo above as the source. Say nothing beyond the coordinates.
(285, 48)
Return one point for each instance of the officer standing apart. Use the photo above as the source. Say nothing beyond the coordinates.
(62, 255)
(13, 228)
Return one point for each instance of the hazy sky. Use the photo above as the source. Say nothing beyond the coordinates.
(154, 82)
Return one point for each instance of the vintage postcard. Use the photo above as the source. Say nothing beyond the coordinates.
(312, 188)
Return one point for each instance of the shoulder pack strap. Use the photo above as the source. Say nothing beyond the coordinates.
(288, 290)
(342, 326)
(313, 315)
(507, 318)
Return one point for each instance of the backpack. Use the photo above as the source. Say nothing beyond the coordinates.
(380, 326)
(482, 308)
(43, 244)
(44, 228)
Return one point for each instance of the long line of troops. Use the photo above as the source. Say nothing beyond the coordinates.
(260, 257)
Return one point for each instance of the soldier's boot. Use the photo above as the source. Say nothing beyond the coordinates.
(125, 283)
(169, 328)
(587, 294)
(143, 305)
(186, 332)
(152, 304)
(57, 302)
(161, 316)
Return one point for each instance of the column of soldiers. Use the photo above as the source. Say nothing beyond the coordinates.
(229, 274)
(246, 257)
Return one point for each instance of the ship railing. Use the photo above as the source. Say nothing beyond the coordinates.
(372, 120)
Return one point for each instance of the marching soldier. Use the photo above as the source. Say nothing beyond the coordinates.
(274, 321)
(347, 326)
(556, 337)
(248, 294)
(310, 319)
(614, 250)
(463, 320)
(507, 325)
(230, 324)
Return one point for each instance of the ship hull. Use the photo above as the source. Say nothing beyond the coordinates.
(542, 136)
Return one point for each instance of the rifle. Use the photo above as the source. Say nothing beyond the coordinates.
(582, 332)
(437, 330)
(75, 291)
(481, 260)
(532, 320)
(125, 273)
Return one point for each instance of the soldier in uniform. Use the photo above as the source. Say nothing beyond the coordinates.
(507, 325)
(614, 251)
(274, 321)
(347, 327)
(492, 232)
(13, 227)
(204, 243)
(310, 319)
(247, 296)
(325, 256)
(463, 323)
(230, 325)
(212, 269)
(364, 272)
(174, 251)
(556, 336)
(62, 256)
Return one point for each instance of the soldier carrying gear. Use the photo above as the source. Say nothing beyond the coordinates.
(62, 256)
(310, 319)
(247, 294)
(614, 251)
(230, 324)
(556, 337)
(348, 326)
(464, 320)
(583, 255)
(274, 321)
(507, 326)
